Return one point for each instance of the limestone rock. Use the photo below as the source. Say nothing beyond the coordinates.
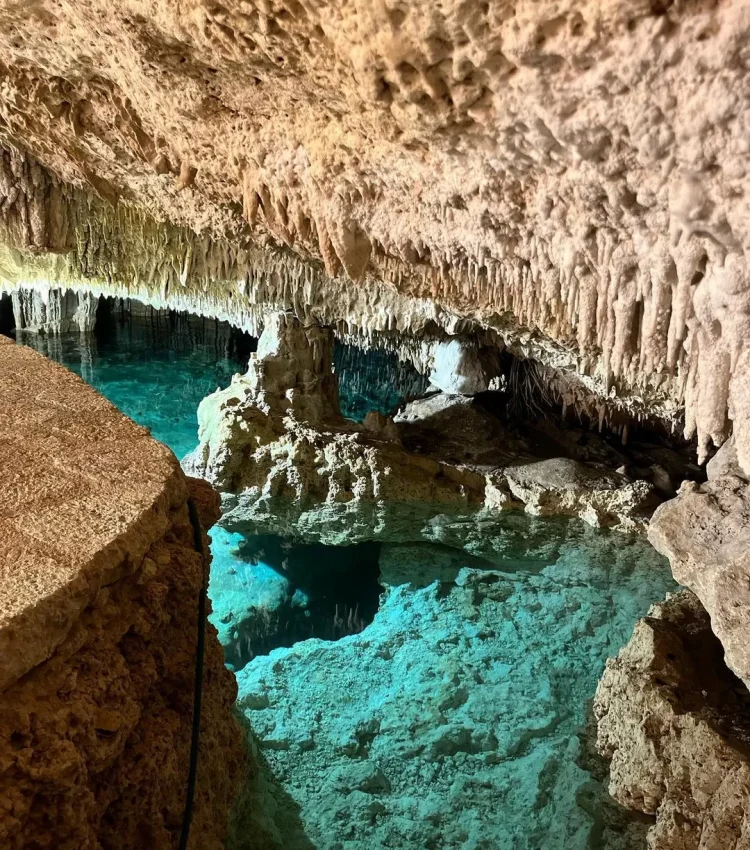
(98, 629)
(292, 372)
(559, 486)
(570, 174)
(675, 723)
(458, 368)
(276, 447)
(705, 533)
(54, 311)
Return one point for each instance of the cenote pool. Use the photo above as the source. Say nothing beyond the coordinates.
(402, 696)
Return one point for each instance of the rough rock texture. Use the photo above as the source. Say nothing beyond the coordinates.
(705, 533)
(453, 719)
(675, 723)
(275, 446)
(458, 369)
(574, 170)
(98, 629)
(54, 311)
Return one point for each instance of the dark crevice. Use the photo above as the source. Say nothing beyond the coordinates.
(7, 322)
(323, 592)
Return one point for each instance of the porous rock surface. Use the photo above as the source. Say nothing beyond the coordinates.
(453, 719)
(675, 723)
(98, 629)
(285, 461)
(572, 175)
(705, 533)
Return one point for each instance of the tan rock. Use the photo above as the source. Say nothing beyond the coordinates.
(705, 533)
(98, 629)
(675, 723)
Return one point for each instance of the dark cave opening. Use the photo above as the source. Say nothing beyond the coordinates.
(7, 320)
(275, 592)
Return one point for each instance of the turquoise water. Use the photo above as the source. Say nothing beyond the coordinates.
(452, 720)
(157, 370)
(154, 376)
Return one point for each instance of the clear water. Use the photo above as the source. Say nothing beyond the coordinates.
(453, 720)
(154, 371)
(374, 380)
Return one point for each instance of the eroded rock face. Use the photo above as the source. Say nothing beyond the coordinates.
(94, 742)
(277, 448)
(285, 461)
(570, 174)
(99, 628)
(675, 723)
(705, 533)
(54, 311)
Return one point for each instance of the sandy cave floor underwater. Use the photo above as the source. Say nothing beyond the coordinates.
(427, 697)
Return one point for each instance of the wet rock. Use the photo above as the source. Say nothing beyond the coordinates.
(453, 719)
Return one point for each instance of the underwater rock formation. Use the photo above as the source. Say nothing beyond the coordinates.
(286, 462)
(269, 592)
(705, 533)
(573, 172)
(98, 629)
(452, 720)
(675, 723)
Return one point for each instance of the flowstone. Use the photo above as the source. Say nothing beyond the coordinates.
(285, 461)
(453, 720)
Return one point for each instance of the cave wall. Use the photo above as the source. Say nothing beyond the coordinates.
(98, 629)
(573, 173)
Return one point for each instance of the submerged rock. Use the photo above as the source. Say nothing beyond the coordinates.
(451, 721)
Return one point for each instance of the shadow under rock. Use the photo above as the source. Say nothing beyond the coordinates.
(265, 816)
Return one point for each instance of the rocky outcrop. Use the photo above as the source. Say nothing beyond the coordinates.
(705, 533)
(570, 172)
(54, 311)
(285, 461)
(673, 716)
(276, 446)
(675, 723)
(98, 629)
(458, 368)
